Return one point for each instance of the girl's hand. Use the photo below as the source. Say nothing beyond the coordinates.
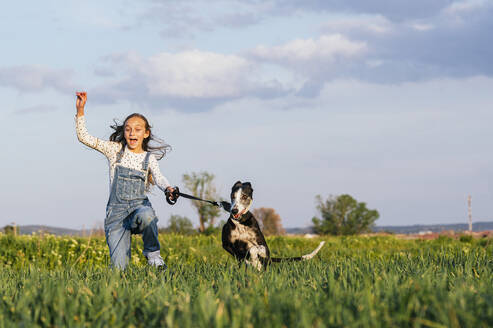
(80, 102)
(170, 190)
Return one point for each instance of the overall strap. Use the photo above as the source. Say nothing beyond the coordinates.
(119, 155)
(145, 163)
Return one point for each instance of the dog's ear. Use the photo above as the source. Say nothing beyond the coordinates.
(247, 185)
(236, 185)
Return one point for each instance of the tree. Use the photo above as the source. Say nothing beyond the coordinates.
(180, 224)
(343, 215)
(10, 230)
(269, 221)
(201, 185)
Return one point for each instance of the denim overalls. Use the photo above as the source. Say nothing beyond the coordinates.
(129, 211)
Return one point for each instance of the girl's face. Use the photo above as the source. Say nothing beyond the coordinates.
(135, 132)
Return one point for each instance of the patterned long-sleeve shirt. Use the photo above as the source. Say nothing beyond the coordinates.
(110, 149)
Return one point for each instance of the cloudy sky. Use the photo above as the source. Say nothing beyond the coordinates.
(389, 101)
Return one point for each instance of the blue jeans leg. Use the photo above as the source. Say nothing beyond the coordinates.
(144, 221)
(118, 239)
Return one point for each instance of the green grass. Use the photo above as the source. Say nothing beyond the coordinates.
(353, 282)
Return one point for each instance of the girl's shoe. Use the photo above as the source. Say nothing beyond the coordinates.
(154, 259)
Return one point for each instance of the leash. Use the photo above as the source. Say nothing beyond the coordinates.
(176, 193)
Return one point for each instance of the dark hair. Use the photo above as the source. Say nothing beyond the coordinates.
(158, 146)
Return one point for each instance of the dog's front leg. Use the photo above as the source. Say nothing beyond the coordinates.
(256, 253)
(228, 248)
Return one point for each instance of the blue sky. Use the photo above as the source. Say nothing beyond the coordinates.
(389, 102)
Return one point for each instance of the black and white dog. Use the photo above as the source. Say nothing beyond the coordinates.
(241, 235)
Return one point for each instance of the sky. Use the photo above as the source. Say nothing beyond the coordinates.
(388, 101)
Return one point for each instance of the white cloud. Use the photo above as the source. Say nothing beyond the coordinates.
(374, 63)
(397, 10)
(312, 61)
(194, 16)
(326, 48)
(195, 74)
(36, 109)
(459, 7)
(186, 79)
(377, 24)
(422, 27)
(35, 78)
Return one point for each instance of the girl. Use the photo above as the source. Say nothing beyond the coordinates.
(133, 167)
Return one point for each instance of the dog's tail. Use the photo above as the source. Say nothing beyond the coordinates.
(299, 258)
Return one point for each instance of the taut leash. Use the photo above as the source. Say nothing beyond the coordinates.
(176, 193)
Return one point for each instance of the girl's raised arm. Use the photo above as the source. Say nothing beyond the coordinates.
(108, 148)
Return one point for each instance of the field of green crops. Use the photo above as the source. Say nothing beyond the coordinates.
(52, 281)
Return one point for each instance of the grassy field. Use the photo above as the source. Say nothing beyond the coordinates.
(354, 282)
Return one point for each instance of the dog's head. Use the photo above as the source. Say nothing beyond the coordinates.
(241, 199)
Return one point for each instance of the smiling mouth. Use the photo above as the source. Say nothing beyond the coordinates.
(237, 215)
(132, 141)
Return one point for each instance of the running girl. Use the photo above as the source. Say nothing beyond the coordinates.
(133, 167)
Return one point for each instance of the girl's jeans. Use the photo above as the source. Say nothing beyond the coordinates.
(118, 234)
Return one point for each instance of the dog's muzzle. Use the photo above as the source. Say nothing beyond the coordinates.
(236, 214)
